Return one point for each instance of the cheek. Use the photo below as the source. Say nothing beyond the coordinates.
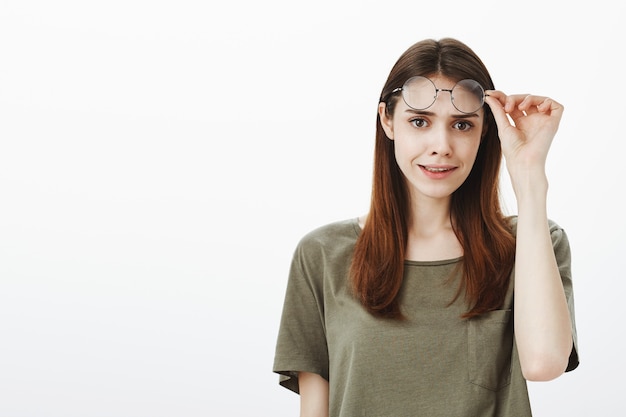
(465, 150)
(471, 150)
(406, 149)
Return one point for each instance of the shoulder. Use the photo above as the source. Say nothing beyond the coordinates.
(330, 240)
(330, 233)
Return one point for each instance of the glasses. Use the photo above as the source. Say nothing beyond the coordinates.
(419, 93)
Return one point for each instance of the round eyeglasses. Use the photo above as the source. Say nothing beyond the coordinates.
(419, 93)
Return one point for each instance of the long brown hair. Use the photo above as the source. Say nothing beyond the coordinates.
(488, 244)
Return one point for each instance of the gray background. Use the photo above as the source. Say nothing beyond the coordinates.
(160, 160)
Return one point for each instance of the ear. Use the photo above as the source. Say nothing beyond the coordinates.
(385, 120)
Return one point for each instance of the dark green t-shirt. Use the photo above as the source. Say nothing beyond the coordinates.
(433, 364)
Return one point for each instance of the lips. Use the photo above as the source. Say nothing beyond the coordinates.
(437, 169)
(437, 172)
(434, 169)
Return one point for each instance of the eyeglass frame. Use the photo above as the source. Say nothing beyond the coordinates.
(437, 90)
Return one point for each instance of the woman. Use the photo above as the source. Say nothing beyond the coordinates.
(435, 303)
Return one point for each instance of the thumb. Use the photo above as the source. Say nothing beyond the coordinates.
(499, 114)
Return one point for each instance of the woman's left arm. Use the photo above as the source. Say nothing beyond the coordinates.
(542, 322)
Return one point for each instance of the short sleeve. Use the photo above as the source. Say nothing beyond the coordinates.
(301, 343)
(562, 253)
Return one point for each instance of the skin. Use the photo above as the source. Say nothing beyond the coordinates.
(542, 322)
(441, 137)
(313, 395)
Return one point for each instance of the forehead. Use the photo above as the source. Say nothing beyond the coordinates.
(419, 96)
(442, 81)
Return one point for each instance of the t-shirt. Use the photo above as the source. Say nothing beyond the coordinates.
(432, 364)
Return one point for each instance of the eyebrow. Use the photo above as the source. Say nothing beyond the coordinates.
(454, 116)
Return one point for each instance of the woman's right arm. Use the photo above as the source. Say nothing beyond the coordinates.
(313, 395)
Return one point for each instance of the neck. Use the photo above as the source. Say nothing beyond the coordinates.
(430, 234)
(429, 216)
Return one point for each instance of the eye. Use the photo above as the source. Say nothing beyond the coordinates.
(418, 122)
(462, 125)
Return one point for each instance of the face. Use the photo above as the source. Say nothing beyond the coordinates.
(435, 148)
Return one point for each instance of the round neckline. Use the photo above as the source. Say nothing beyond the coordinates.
(408, 262)
(438, 262)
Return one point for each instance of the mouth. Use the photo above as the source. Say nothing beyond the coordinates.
(436, 170)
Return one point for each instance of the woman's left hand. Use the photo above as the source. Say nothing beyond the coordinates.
(525, 137)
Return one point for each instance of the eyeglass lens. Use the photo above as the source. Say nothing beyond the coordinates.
(420, 93)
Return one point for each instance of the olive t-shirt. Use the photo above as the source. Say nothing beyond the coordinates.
(433, 364)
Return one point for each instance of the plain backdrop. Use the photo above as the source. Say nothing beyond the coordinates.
(160, 160)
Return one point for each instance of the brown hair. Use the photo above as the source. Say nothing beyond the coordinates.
(488, 244)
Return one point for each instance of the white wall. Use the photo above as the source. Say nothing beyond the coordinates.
(159, 160)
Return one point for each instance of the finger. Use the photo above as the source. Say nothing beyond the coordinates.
(551, 106)
(513, 101)
(530, 102)
(512, 106)
(540, 104)
(531, 110)
(496, 102)
(498, 95)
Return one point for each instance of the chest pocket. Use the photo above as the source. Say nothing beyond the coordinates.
(490, 349)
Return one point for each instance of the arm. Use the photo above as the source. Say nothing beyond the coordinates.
(542, 323)
(313, 395)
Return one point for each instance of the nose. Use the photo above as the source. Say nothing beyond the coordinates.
(440, 141)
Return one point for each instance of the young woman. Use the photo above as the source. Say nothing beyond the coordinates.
(435, 303)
